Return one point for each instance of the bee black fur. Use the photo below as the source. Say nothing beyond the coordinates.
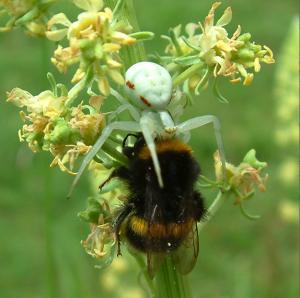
(154, 219)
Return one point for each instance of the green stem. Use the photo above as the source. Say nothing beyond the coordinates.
(133, 53)
(173, 67)
(187, 73)
(140, 260)
(213, 208)
(170, 283)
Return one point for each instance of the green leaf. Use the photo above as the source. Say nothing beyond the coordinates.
(118, 8)
(189, 44)
(175, 42)
(142, 35)
(218, 94)
(251, 159)
(52, 82)
(188, 60)
(202, 82)
(247, 215)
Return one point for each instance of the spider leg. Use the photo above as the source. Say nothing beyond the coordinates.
(148, 130)
(120, 109)
(200, 121)
(121, 125)
(132, 110)
(167, 121)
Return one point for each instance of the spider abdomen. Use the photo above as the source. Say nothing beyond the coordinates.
(148, 85)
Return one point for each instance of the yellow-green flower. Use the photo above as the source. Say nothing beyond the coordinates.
(88, 125)
(29, 14)
(50, 125)
(243, 179)
(95, 40)
(210, 46)
(101, 240)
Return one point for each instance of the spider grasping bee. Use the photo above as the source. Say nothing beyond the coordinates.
(149, 92)
(160, 221)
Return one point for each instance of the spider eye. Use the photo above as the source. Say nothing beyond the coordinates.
(149, 85)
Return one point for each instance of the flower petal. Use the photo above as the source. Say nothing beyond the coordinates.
(60, 19)
(225, 18)
(56, 35)
(89, 5)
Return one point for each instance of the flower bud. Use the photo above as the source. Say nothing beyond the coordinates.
(250, 158)
(62, 133)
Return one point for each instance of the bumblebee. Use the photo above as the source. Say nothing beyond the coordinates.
(160, 221)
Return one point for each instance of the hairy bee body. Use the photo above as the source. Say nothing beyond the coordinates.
(156, 219)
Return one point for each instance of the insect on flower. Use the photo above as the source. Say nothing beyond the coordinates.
(160, 221)
(149, 91)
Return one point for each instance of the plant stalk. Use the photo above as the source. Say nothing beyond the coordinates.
(187, 73)
(169, 283)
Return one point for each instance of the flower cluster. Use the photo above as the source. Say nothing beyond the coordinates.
(243, 179)
(52, 126)
(94, 41)
(101, 241)
(93, 44)
(29, 14)
(208, 47)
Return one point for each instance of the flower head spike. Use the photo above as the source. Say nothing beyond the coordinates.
(50, 125)
(212, 48)
(101, 240)
(29, 14)
(89, 5)
(95, 39)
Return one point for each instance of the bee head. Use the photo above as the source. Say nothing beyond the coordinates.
(133, 150)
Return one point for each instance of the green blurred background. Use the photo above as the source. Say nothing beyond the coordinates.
(40, 251)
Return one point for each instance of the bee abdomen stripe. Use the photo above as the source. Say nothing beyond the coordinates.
(170, 145)
(141, 227)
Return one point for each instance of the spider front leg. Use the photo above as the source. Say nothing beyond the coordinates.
(167, 121)
(200, 121)
(149, 129)
(121, 125)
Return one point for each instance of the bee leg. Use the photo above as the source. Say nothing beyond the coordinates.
(119, 253)
(120, 172)
(112, 175)
(121, 217)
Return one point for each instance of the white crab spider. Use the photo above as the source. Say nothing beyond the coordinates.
(149, 90)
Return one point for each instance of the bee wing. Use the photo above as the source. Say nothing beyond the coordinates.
(185, 257)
